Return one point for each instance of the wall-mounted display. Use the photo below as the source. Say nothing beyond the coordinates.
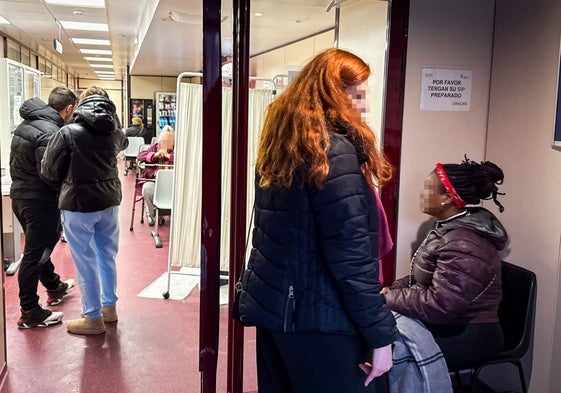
(557, 131)
(19, 83)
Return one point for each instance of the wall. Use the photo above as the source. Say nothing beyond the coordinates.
(145, 86)
(521, 120)
(511, 124)
(442, 34)
(292, 57)
(363, 31)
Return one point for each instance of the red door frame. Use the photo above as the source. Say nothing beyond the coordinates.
(211, 189)
(393, 120)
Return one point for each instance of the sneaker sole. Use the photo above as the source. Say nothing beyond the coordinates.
(86, 332)
(40, 325)
(54, 302)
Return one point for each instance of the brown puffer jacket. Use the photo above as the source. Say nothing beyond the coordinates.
(455, 273)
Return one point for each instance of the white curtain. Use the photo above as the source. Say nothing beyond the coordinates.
(185, 239)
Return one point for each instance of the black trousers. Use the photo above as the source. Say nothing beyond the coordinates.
(312, 362)
(40, 221)
(468, 346)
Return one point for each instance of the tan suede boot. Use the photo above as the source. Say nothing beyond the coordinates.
(109, 314)
(86, 325)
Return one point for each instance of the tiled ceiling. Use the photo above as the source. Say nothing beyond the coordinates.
(144, 37)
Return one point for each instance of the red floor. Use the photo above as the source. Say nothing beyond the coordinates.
(152, 348)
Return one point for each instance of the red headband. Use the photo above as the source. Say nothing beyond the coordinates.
(458, 201)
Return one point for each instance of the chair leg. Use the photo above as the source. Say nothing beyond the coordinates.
(458, 379)
(521, 375)
(475, 379)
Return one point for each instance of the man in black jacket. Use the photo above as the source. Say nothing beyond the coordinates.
(35, 204)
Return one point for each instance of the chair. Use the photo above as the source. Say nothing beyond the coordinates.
(516, 315)
(131, 152)
(163, 193)
(137, 196)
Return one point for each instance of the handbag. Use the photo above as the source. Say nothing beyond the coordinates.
(238, 287)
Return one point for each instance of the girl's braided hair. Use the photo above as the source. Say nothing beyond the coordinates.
(475, 181)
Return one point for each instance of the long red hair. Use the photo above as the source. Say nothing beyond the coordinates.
(295, 133)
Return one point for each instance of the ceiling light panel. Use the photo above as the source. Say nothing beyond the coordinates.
(69, 25)
(90, 41)
(78, 3)
(96, 51)
(101, 65)
(103, 59)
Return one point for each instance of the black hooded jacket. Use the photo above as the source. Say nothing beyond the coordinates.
(83, 157)
(314, 265)
(40, 123)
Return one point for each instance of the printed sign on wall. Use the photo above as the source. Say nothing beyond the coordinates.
(446, 89)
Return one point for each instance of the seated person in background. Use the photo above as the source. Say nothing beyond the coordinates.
(455, 281)
(136, 128)
(159, 153)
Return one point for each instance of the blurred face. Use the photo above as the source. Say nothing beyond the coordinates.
(166, 141)
(357, 94)
(431, 198)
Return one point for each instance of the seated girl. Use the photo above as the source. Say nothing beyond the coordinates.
(455, 282)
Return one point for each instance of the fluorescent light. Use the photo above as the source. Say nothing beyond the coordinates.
(99, 73)
(89, 41)
(3, 21)
(69, 25)
(78, 3)
(109, 59)
(96, 51)
(101, 65)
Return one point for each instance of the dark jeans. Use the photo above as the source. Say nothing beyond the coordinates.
(467, 346)
(40, 221)
(312, 362)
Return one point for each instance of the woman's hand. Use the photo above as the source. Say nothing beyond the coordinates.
(382, 361)
(385, 290)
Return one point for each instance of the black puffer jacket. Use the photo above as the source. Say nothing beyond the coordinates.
(30, 140)
(456, 272)
(313, 266)
(83, 156)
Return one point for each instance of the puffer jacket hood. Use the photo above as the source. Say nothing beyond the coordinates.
(98, 112)
(82, 157)
(35, 109)
(480, 220)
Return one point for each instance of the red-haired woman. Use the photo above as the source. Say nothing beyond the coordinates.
(311, 286)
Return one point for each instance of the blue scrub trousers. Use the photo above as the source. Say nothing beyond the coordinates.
(93, 238)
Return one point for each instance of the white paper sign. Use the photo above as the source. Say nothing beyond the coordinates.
(446, 89)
